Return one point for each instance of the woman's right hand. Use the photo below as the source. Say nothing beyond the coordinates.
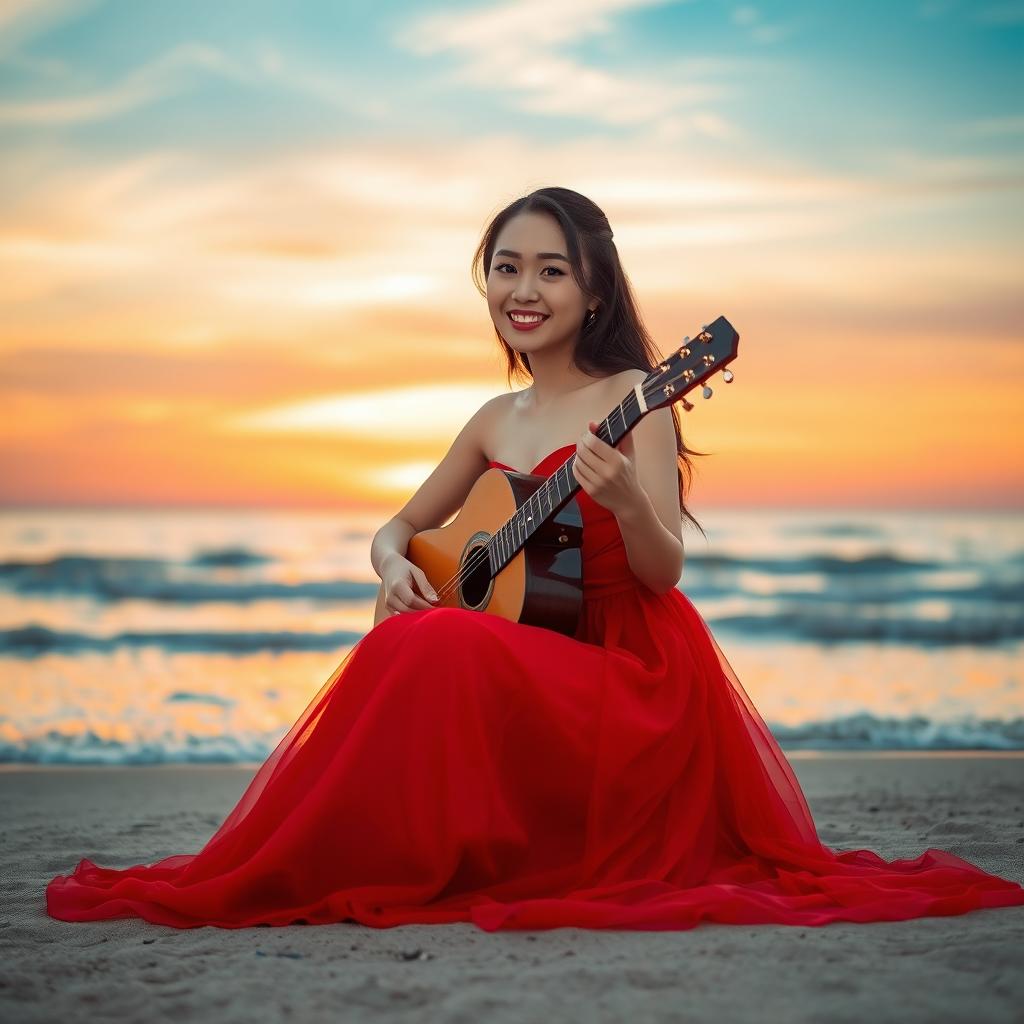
(404, 582)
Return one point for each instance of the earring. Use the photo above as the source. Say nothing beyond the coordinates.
(590, 318)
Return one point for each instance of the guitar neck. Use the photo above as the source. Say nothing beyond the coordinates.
(679, 373)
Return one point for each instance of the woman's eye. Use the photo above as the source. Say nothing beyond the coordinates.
(555, 269)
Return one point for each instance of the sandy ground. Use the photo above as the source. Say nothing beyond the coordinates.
(966, 968)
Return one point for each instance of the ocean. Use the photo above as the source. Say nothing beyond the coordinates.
(145, 637)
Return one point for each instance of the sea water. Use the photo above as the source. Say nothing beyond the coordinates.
(141, 636)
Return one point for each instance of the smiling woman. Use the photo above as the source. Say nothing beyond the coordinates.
(564, 316)
(465, 766)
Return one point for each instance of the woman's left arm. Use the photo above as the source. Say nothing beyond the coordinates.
(638, 482)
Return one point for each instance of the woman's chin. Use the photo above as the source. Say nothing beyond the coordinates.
(525, 341)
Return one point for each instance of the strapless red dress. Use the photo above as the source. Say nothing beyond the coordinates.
(457, 766)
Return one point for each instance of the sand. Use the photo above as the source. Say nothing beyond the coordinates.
(964, 968)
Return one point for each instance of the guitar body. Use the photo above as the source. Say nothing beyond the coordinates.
(541, 585)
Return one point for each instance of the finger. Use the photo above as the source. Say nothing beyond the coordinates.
(425, 588)
(414, 600)
(583, 473)
(600, 448)
(586, 447)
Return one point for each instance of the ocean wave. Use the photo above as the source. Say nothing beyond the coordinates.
(154, 579)
(228, 557)
(89, 748)
(865, 731)
(848, 623)
(852, 732)
(33, 641)
(187, 697)
(820, 622)
(859, 531)
(107, 579)
(879, 563)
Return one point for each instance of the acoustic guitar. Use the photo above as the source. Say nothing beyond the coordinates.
(514, 548)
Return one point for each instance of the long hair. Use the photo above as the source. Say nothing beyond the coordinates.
(613, 340)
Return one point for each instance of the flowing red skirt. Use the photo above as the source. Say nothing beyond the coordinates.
(460, 767)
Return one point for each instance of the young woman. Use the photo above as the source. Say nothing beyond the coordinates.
(459, 766)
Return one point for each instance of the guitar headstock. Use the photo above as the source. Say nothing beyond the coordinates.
(691, 364)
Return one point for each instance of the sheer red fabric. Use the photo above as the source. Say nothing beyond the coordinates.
(460, 767)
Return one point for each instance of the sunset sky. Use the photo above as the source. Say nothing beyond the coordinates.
(235, 238)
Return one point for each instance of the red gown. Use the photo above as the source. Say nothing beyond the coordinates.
(457, 766)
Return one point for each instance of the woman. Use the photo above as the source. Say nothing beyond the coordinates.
(459, 766)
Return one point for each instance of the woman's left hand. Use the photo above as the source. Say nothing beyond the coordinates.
(607, 474)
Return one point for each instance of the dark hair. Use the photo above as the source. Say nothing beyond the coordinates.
(613, 340)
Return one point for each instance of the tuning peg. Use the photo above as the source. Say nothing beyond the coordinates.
(727, 376)
(703, 328)
(686, 405)
(707, 391)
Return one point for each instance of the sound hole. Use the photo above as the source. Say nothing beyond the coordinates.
(477, 583)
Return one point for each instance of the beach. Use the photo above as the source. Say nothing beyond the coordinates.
(963, 968)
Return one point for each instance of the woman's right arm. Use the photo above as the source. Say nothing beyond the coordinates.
(391, 539)
(439, 497)
(397, 574)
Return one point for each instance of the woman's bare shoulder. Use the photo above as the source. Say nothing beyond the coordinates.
(617, 384)
(633, 375)
(497, 412)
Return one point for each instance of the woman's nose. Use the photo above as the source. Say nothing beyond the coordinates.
(525, 290)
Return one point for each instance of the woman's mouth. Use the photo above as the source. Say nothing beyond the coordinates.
(526, 321)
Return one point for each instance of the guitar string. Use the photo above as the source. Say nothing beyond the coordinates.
(470, 565)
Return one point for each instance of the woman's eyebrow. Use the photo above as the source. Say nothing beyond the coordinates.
(540, 255)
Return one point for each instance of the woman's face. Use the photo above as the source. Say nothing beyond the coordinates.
(530, 273)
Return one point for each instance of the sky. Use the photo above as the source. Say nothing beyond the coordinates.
(235, 239)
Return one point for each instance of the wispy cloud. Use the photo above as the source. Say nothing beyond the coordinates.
(760, 31)
(1009, 13)
(518, 48)
(368, 228)
(1011, 124)
(326, 85)
(168, 74)
(287, 308)
(23, 20)
(935, 8)
(266, 66)
(522, 25)
(430, 413)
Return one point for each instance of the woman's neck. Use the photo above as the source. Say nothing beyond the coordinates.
(554, 378)
(543, 399)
